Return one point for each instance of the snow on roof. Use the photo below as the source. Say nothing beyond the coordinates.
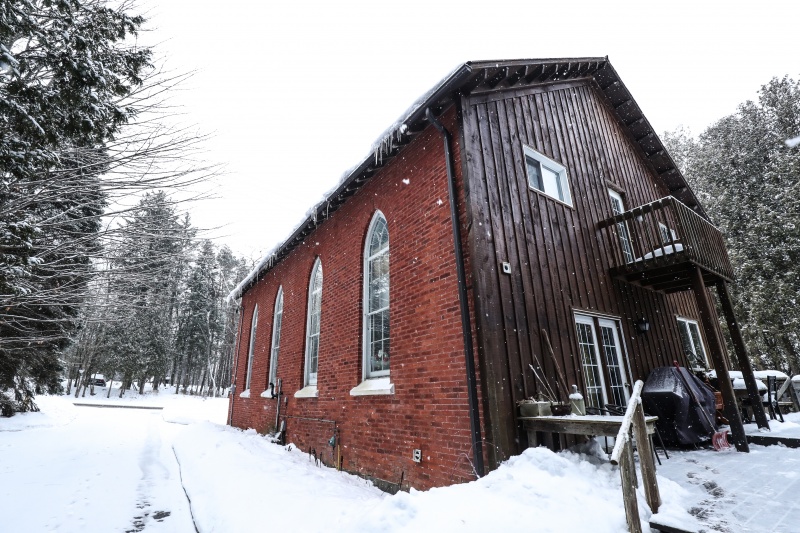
(764, 374)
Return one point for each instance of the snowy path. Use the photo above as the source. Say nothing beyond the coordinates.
(741, 493)
(106, 470)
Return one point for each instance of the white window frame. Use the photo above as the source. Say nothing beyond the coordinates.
(251, 351)
(310, 378)
(601, 358)
(368, 373)
(372, 382)
(277, 320)
(623, 232)
(683, 321)
(668, 235)
(562, 193)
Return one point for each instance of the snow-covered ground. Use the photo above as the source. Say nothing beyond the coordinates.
(91, 469)
(738, 493)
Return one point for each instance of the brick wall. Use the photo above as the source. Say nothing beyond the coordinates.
(429, 409)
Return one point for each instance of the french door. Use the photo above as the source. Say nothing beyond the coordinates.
(603, 361)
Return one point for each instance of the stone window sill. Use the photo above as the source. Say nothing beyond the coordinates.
(245, 394)
(309, 391)
(267, 394)
(373, 387)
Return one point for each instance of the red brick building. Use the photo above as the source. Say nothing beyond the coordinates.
(401, 319)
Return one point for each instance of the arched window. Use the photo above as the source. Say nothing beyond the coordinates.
(376, 299)
(251, 349)
(276, 338)
(312, 323)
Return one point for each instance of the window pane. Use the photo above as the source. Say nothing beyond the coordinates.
(615, 371)
(314, 355)
(591, 367)
(312, 333)
(551, 183)
(534, 174)
(617, 207)
(380, 237)
(276, 338)
(251, 348)
(546, 175)
(686, 341)
(699, 349)
(376, 312)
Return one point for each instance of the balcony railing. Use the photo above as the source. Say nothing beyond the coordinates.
(655, 245)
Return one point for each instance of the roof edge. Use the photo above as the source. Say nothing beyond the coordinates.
(484, 76)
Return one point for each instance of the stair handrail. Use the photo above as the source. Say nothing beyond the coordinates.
(622, 455)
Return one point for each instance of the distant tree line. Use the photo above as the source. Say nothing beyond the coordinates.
(86, 138)
(747, 177)
(157, 310)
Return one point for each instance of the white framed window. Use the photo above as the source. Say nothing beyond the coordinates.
(313, 323)
(668, 234)
(251, 349)
(376, 299)
(547, 176)
(625, 242)
(692, 343)
(276, 338)
(603, 360)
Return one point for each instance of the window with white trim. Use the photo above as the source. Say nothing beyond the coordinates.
(603, 360)
(251, 349)
(313, 323)
(625, 242)
(276, 338)
(547, 176)
(692, 343)
(376, 299)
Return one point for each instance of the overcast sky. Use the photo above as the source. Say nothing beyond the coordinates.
(296, 92)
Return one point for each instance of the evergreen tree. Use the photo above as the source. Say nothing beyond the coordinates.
(749, 181)
(148, 264)
(65, 66)
(200, 324)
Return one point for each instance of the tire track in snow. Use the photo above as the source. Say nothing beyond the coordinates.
(156, 476)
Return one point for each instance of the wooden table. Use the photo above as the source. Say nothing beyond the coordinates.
(599, 425)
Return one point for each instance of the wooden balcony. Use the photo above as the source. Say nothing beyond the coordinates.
(657, 244)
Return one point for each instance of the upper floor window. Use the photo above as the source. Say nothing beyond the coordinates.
(251, 348)
(692, 343)
(376, 299)
(312, 323)
(547, 176)
(625, 242)
(276, 338)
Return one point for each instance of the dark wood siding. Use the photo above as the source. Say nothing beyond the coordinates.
(558, 263)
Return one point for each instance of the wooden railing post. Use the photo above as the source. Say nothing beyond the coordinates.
(622, 455)
(626, 472)
(646, 461)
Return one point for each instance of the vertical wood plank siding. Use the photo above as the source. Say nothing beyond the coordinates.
(559, 262)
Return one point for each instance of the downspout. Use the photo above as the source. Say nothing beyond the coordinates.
(472, 388)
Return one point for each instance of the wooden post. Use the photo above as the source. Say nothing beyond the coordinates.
(629, 492)
(741, 355)
(631, 462)
(646, 461)
(717, 350)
